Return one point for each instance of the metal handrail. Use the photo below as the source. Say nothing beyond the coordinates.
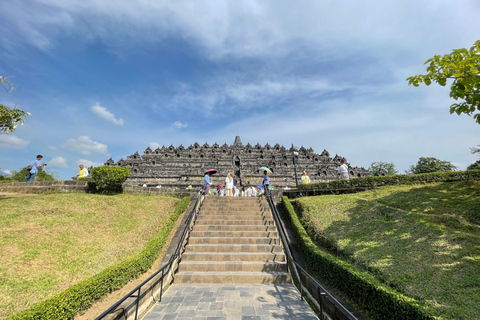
(165, 270)
(297, 267)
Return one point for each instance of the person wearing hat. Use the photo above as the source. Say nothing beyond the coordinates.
(83, 172)
(34, 169)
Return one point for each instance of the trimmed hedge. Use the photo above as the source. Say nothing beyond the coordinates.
(380, 300)
(370, 182)
(82, 295)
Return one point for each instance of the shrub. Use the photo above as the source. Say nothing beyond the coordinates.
(379, 181)
(377, 298)
(82, 295)
(107, 180)
(42, 175)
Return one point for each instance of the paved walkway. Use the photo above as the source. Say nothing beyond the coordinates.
(231, 301)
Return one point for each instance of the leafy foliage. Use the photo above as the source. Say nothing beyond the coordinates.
(474, 166)
(463, 66)
(10, 118)
(379, 299)
(381, 168)
(108, 180)
(430, 164)
(372, 182)
(82, 295)
(42, 175)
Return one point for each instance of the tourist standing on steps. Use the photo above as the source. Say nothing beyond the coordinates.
(266, 182)
(34, 169)
(229, 184)
(305, 178)
(207, 183)
(343, 170)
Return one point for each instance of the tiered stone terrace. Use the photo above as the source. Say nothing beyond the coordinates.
(181, 167)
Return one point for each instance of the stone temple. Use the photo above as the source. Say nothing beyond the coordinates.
(181, 167)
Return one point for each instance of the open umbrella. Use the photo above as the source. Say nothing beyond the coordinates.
(260, 187)
(212, 171)
(261, 169)
(219, 187)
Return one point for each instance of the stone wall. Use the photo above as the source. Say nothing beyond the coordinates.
(163, 191)
(42, 186)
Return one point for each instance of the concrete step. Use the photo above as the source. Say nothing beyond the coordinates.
(234, 256)
(233, 228)
(230, 266)
(232, 277)
(239, 209)
(260, 222)
(235, 217)
(230, 248)
(233, 240)
(229, 233)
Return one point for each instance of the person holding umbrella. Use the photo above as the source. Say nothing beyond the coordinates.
(208, 182)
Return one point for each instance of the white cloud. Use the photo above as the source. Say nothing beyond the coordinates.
(53, 148)
(243, 28)
(104, 114)
(179, 125)
(8, 141)
(58, 162)
(85, 145)
(8, 172)
(153, 145)
(88, 163)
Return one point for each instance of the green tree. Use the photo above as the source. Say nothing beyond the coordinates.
(476, 164)
(10, 118)
(380, 168)
(463, 66)
(430, 164)
(42, 175)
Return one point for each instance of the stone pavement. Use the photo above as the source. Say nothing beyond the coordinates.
(231, 301)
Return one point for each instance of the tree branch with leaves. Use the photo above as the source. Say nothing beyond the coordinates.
(463, 67)
(10, 118)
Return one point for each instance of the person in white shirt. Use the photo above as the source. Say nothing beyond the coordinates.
(83, 172)
(249, 192)
(229, 184)
(343, 170)
(158, 186)
(305, 178)
(145, 185)
(254, 191)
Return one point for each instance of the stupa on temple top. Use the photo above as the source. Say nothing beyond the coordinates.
(180, 167)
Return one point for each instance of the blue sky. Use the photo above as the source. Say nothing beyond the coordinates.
(107, 78)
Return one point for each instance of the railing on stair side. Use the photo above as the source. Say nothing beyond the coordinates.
(307, 284)
(119, 311)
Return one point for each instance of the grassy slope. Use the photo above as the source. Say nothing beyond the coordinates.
(423, 240)
(52, 241)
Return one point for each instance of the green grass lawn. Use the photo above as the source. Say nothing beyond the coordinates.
(49, 242)
(423, 240)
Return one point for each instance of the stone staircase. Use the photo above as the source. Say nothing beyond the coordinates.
(234, 240)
